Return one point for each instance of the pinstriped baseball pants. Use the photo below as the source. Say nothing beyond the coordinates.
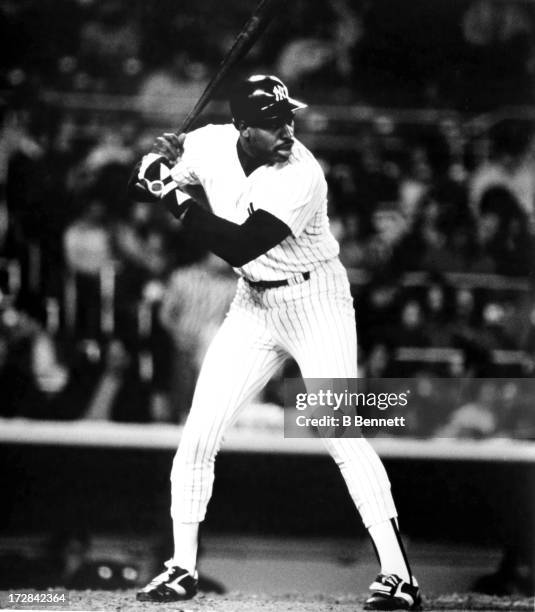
(313, 322)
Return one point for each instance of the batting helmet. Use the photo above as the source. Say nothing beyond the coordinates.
(260, 99)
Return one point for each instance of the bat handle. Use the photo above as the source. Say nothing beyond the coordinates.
(187, 123)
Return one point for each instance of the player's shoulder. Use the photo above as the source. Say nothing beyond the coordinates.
(303, 164)
(303, 158)
(212, 135)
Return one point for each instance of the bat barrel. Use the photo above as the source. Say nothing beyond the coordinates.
(244, 41)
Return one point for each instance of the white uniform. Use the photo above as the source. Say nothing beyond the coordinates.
(312, 321)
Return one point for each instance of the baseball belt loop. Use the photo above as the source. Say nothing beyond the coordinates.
(300, 278)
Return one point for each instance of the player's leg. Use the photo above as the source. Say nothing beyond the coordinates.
(238, 364)
(320, 334)
(322, 339)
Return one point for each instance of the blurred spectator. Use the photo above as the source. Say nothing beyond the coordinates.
(512, 165)
(378, 362)
(389, 228)
(488, 244)
(109, 149)
(437, 314)
(140, 240)
(428, 406)
(465, 330)
(521, 421)
(323, 58)
(342, 188)
(526, 333)
(174, 88)
(503, 243)
(378, 307)
(477, 418)
(499, 53)
(85, 364)
(119, 393)
(31, 376)
(417, 180)
(434, 206)
(426, 170)
(87, 241)
(430, 244)
(15, 138)
(145, 248)
(22, 210)
(88, 254)
(108, 41)
(410, 330)
(110, 381)
(517, 248)
(350, 239)
(196, 301)
(500, 321)
(373, 183)
(105, 167)
(465, 308)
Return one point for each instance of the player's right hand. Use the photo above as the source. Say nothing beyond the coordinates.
(170, 145)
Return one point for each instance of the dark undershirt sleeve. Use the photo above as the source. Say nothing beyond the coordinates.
(236, 244)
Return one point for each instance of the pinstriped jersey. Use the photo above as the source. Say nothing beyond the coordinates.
(294, 191)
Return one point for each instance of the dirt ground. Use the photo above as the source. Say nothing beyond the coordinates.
(124, 601)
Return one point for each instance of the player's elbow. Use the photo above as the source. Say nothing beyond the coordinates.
(248, 250)
(242, 249)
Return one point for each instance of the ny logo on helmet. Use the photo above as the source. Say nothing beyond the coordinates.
(280, 92)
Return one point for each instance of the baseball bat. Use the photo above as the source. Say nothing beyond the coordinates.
(249, 34)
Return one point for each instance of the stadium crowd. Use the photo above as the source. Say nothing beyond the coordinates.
(106, 309)
(471, 54)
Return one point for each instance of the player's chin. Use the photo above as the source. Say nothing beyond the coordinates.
(282, 154)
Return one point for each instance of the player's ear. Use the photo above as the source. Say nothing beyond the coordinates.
(243, 129)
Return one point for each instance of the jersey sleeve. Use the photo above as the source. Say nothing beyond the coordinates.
(293, 194)
(188, 169)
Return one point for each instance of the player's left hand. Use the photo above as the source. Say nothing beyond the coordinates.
(170, 145)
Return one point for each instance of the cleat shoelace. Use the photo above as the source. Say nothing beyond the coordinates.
(164, 577)
(391, 580)
(160, 579)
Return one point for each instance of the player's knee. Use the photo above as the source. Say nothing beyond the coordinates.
(191, 459)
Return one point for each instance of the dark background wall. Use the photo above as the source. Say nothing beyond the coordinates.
(100, 490)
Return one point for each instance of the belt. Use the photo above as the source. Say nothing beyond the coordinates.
(295, 280)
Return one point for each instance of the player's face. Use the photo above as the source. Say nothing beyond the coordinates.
(270, 142)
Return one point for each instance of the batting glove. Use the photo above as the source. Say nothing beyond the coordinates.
(154, 178)
(155, 174)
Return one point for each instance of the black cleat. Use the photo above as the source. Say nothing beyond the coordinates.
(390, 592)
(175, 584)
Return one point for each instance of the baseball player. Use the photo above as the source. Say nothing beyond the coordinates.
(267, 218)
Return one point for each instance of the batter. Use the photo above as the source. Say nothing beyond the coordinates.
(267, 196)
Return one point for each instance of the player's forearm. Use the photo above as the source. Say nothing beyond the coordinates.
(236, 244)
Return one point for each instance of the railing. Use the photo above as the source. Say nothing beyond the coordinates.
(328, 127)
(61, 311)
(160, 436)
